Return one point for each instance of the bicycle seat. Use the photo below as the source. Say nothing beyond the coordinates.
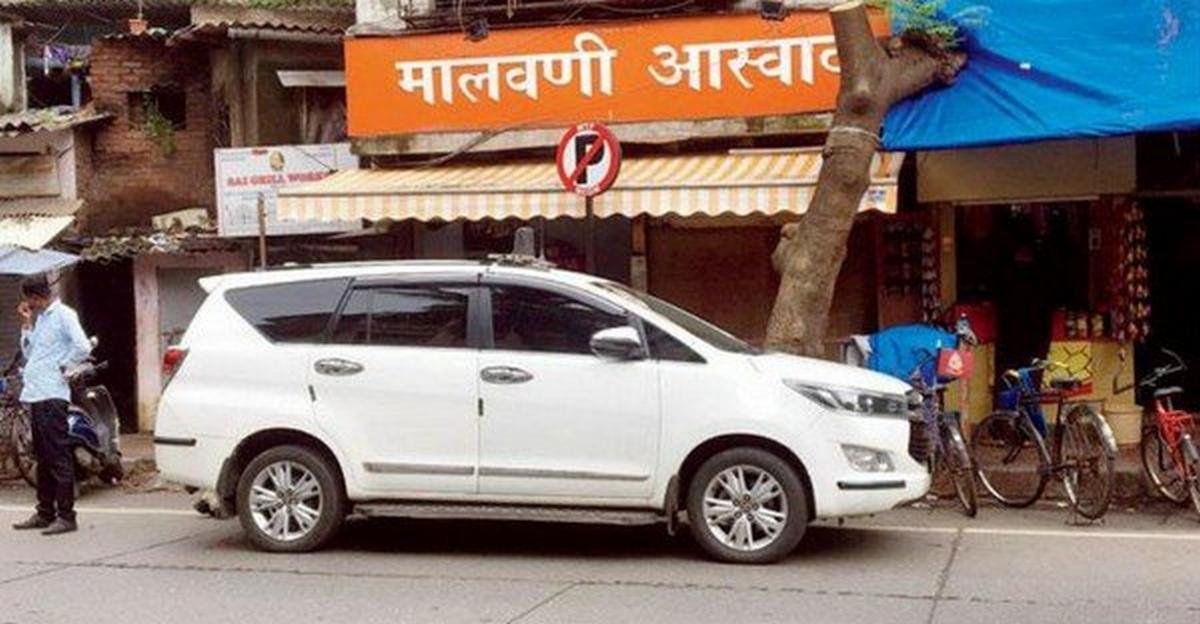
(1066, 385)
(1166, 392)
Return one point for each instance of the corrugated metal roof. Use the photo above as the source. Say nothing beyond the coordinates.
(311, 78)
(133, 4)
(109, 248)
(39, 207)
(31, 223)
(226, 17)
(47, 120)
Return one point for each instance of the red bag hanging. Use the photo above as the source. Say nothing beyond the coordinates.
(955, 363)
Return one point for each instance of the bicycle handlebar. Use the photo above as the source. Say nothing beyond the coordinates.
(1151, 380)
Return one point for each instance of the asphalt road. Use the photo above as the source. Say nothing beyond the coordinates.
(148, 558)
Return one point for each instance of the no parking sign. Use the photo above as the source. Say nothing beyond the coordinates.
(588, 159)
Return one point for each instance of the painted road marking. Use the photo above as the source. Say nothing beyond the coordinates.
(1081, 533)
(114, 511)
(1007, 532)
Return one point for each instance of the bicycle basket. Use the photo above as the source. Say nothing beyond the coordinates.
(954, 363)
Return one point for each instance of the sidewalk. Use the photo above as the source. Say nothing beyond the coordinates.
(137, 447)
(1130, 486)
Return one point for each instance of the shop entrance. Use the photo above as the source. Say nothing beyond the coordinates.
(1173, 230)
(1026, 260)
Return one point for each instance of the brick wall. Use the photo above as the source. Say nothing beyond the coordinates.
(132, 178)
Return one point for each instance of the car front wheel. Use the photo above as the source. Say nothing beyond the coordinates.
(289, 499)
(747, 505)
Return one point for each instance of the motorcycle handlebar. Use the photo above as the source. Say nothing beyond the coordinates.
(85, 370)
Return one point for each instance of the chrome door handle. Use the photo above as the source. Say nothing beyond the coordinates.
(505, 375)
(337, 367)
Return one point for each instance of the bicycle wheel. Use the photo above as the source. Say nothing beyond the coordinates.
(1010, 458)
(22, 443)
(1082, 449)
(1166, 476)
(956, 463)
(1192, 456)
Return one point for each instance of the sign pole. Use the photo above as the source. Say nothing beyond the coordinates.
(587, 161)
(262, 232)
(590, 243)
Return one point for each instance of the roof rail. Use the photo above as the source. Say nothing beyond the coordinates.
(289, 266)
(520, 260)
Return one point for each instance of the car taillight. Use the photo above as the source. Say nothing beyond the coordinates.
(172, 360)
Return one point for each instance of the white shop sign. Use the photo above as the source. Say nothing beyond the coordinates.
(246, 173)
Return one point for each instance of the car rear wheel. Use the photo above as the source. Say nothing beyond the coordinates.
(289, 499)
(747, 505)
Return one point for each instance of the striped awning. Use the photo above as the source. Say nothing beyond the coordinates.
(737, 183)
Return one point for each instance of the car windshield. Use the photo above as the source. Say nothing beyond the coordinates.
(689, 322)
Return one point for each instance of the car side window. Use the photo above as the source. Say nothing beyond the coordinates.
(532, 319)
(297, 312)
(664, 346)
(405, 316)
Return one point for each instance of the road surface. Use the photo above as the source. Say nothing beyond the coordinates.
(148, 558)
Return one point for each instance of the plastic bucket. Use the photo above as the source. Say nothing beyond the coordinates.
(1125, 419)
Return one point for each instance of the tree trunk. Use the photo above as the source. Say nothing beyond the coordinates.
(811, 251)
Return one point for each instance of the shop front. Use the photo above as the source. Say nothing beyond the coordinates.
(694, 221)
(1044, 249)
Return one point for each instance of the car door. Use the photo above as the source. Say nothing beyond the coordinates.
(396, 385)
(558, 421)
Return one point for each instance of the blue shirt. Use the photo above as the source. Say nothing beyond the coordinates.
(57, 340)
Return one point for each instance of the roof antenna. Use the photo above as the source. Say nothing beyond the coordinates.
(524, 242)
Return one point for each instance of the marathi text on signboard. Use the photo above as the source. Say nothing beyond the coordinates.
(244, 175)
(682, 68)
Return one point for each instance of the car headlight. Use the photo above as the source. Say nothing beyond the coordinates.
(865, 459)
(852, 399)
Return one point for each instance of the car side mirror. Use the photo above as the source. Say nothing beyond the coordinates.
(618, 343)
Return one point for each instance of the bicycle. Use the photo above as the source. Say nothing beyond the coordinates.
(1084, 451)
(934, 367)
(1168, 449)
(15, 423)
(949, 453)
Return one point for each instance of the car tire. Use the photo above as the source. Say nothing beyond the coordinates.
(307, 492)
(747, 525)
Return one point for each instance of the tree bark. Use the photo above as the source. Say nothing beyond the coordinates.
(811, 250)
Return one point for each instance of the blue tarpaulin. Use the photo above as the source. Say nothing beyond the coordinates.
(1040, 69)
(899, 351)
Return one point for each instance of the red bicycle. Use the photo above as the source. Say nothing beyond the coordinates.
(1168, 448)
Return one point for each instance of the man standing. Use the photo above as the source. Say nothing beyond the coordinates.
(52, 340)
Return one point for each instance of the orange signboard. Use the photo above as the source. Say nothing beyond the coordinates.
(679, 68)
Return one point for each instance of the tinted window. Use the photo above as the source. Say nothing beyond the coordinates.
(530, 319)
(405, 316)
(293, 312)
(664, 346)
(687, 321)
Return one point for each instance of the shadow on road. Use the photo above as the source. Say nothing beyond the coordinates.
(551, 541)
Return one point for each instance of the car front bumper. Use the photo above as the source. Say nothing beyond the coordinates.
(846, 491)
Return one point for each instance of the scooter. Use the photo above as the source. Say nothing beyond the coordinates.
(92, 427)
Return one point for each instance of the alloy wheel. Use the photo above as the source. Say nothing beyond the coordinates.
(286, 501)
(745, 507)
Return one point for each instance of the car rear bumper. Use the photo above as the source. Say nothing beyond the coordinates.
(192, 461)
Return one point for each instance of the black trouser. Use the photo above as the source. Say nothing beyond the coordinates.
(56, 460)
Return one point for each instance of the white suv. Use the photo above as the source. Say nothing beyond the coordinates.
(496, 390)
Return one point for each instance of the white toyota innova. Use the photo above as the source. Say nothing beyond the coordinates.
(507, 391)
